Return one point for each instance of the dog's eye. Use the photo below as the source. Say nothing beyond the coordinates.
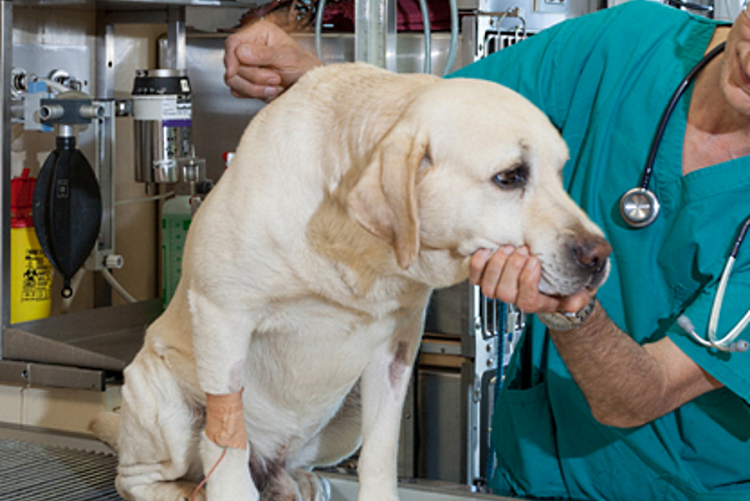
(512, 178)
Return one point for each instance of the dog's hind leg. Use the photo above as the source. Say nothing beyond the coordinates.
(158, 434)
(277, 483)
(106, 427)
(312, 487)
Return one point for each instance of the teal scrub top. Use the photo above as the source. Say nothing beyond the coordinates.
(604, 80)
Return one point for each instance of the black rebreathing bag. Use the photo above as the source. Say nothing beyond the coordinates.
(67, 209)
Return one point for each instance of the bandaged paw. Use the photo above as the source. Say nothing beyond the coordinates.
(225, 420)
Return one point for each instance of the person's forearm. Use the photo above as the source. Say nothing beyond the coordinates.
(624, 385)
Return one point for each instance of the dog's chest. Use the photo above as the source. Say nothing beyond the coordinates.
(304, 358)
(310, 342)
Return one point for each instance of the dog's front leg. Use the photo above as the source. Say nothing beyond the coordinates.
(221, 339)
(384, 385)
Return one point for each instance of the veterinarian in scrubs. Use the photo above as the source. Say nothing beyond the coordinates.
(626, 405)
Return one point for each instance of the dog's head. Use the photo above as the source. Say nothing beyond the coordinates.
(469, 165)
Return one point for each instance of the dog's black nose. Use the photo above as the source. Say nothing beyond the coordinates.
(592, 253)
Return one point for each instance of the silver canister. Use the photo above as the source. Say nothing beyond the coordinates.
(162, 113)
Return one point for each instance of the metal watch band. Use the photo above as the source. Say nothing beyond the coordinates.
(564, 321)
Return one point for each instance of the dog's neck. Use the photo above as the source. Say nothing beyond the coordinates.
(362, 259)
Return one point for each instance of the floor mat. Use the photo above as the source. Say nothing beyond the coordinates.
(33, 472)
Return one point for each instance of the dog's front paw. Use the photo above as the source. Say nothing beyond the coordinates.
(165, 491)
(372, 495)
(228, 473)
(312, 487)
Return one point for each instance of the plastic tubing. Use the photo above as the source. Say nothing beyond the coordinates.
(116, 286)
(56, 86)
(145, 199)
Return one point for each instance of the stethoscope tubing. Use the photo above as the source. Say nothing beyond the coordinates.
(740, 237)
(726, 343)
(640, 206)
(713, 322)
(651, 159)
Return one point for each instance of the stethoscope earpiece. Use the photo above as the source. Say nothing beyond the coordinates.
(639, 207)
(739, 346)
(729, 342)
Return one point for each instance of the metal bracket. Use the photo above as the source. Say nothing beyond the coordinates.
(489, 29)
(51, 375)
(104, 168)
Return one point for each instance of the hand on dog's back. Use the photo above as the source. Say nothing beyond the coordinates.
(262, 61)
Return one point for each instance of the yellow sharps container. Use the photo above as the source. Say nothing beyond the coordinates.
(30, 270)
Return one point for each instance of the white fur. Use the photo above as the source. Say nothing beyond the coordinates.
(308, 268)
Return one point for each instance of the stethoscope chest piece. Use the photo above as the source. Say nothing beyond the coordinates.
(639, 207)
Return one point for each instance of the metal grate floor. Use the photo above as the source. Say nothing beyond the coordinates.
(34, 472)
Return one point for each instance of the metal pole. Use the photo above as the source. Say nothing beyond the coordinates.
(105, 57)
(176, 39)
(104, 166)
(105, 89)
(104, 132)
(391, 25)
(6, 62)
(375, 32)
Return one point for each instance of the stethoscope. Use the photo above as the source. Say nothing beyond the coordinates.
(639, 208)
(727, 343)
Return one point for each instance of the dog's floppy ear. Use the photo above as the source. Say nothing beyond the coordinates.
(384, 200)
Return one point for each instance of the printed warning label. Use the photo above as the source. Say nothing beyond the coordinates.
(37, 276)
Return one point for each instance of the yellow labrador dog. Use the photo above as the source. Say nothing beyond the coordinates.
(307, 271)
